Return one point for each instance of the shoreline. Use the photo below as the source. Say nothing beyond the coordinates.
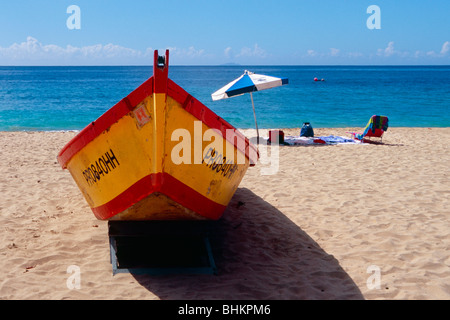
(242, 129)
(321, 227)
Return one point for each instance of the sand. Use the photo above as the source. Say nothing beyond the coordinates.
(334, 222)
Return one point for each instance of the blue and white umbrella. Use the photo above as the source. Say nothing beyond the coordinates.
(248, 83)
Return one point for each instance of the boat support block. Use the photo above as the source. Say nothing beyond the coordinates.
(161, 247)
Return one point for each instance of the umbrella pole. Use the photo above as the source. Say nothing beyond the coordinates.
(256, 124)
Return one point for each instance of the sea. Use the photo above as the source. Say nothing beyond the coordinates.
(69, 98)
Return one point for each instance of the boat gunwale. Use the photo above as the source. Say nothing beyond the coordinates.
(130, 102)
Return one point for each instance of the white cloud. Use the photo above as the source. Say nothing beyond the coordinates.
(388, 51)
(256, 52)
(228, 52)
(188, 56)
(389, 54)
(355, 54)
(247, 55)
(445, 48)
(311, 53)
(334, 52)
(190, 52)
(332, 56)
(33, 52)
(442, 54)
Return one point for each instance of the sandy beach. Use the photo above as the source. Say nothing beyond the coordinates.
(365, 221)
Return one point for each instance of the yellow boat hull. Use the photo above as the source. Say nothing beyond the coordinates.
(158, 154)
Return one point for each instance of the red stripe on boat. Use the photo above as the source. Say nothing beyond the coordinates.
(169, 186)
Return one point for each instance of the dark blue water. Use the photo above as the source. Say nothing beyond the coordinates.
(68, 98)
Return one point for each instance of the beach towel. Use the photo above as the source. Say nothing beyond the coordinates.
(292, 141)
(337, 140)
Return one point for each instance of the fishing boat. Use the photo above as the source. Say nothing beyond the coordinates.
(158, 154)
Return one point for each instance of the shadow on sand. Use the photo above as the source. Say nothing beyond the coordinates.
(260, 254)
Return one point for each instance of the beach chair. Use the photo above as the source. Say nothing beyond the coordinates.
(376, 127)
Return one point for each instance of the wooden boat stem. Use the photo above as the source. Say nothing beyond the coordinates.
(160, 76)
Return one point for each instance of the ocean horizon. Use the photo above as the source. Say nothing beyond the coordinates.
(55, 98)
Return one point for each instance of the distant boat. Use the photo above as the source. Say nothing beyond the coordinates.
(124, 165)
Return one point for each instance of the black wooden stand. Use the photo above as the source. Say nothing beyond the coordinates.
(161, 247)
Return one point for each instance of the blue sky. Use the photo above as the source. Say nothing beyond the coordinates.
(210, 32)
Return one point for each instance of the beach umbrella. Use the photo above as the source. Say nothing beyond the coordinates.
(248, 83)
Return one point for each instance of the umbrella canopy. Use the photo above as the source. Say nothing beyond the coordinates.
(248, 83)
